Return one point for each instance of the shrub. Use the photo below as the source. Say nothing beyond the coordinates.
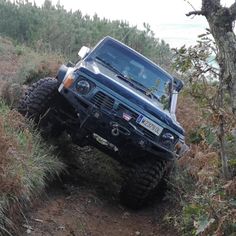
(206, 203)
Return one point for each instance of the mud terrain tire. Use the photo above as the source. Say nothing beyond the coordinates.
(22, 106)
(141, 181)
(37, 102)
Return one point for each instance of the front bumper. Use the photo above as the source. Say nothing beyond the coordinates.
(127, 136)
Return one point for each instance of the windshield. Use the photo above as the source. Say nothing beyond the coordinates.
(134, 69)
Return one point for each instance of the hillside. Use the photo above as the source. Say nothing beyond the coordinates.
(52, 187)
(85, 200)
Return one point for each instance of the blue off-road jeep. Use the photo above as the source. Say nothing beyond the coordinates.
(120, 102)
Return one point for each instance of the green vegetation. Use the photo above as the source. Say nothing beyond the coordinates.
(23, 65)
(51, 28)
(205, 186)
(37, 65)
(205, 201)
(26, 162)
(26, 165)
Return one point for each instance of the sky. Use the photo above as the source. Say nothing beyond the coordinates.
(166, 17)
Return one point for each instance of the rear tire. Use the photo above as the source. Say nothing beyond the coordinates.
(38, 103)
(141, 182)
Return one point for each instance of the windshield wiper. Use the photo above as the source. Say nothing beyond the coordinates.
(138, 86)
(135, 84)
(108, 65)
(129, 80)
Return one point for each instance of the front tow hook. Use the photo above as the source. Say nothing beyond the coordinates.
(118, 129)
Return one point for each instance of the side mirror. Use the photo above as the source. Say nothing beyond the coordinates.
(83, 52)
(178, 84)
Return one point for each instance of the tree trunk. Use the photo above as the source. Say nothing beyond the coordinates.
(220, 20)
(223, 156)
(226, 42)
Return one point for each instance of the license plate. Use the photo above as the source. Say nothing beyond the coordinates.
(149, 125)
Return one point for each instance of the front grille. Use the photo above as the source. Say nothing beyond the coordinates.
(102, 100)
(123, 108)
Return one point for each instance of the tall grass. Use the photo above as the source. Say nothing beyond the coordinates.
(26, 165)
(22, 65)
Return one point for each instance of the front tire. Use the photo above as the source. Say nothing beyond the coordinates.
(141, 181)
(38, 104)
(22, 105)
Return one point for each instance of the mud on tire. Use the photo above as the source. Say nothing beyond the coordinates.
(37, 102)
(141, 181)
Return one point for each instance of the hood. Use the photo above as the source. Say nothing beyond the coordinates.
(109, 79)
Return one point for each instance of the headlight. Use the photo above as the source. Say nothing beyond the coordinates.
(168, 136)
(168, 140)
(83, 87)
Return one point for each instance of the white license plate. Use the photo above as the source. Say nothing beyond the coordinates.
(149, 125)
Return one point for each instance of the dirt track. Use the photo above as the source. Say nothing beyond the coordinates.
(80, 209)
(85, 202)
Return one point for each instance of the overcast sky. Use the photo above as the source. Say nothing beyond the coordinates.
(166, 17)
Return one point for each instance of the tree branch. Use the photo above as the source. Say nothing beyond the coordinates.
(195, 13)
(232, 11)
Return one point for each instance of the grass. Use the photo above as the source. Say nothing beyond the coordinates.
(26, 165)
(23, 65)
(34, 65)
